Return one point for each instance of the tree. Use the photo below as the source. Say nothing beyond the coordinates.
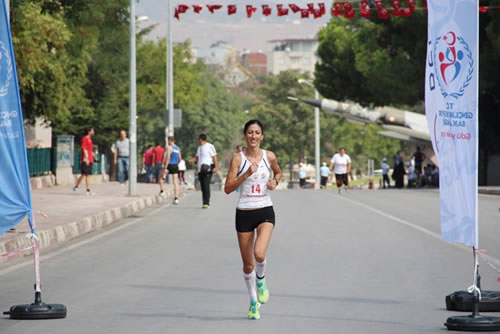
(378, 62)
(50, 79)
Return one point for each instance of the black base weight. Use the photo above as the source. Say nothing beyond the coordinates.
(470, 323)
(463, 301)
(37, 310)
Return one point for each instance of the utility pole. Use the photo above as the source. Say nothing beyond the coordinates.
(132, 173)
(169, 130)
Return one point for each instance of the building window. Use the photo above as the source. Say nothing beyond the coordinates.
(282, 60)
(306, 61)
(296, 60)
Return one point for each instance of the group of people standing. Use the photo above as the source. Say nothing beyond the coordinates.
(158, 162)
(417, 174)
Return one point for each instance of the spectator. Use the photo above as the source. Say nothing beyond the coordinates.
(87, 157)
(206, 156)
(385, 173)
(419, 162)
(412, 177)
(122, 148)
(302, 175)
(147, 162)
(158, 153)
(399, 171)
(324, 172)
(182, 170)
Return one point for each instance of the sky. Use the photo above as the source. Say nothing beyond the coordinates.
(206, 28)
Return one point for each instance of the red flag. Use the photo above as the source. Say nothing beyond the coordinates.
(365, 9)
(337, 9)
(349, 11)
(250, 10)
(322, 8)
(197, 9)
(266, 10)
(411, 4)
(181, 9)
(316, 12)
(396, 11)
(381, 11)
(304, 13)
(483, 9)
(213, 8)
(231, 9)
(282, 11)
(294, 8)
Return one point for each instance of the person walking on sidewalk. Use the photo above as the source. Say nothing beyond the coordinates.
(250, 170)
(158, 153)
(172, 158)
(87, 157)
(206, 156)
(341, 165)
(122, 148)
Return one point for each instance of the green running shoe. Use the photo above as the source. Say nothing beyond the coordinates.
(262, 292)
(253, 310)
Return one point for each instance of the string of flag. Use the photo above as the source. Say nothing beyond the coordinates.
(317, 10)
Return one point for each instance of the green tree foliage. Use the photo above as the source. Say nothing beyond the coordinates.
(51, 80)
(207, 106)
(378, 62)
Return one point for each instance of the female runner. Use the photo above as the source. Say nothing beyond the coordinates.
(250, 170)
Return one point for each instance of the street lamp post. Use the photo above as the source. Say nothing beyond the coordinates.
(169, 130)
(316, 132)
(132, 108)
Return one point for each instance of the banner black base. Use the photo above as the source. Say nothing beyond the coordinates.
(37, 311)
(470, 323)
(463, 300)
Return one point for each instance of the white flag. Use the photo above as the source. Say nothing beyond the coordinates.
(451, 104)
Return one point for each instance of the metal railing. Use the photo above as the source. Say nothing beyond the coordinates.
(39, 161)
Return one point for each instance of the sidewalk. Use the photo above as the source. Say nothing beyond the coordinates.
(73, 214)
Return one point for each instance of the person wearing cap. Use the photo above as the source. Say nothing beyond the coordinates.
(324, 173)
(385, 173)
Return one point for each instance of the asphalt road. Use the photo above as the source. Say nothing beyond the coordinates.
(361, 262)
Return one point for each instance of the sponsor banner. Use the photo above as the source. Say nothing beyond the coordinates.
(451, 104)
(15, 191)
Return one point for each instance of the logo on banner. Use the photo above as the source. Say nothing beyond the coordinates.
(5, 69)
(454, 64)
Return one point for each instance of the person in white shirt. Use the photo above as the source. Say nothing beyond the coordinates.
(341, 166)
(206, 156)
(250, 170)
(324, 173)
(302, 175)
(385, 173)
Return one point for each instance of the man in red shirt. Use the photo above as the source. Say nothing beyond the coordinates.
(87, 156)
(158, 153)
(147, 162)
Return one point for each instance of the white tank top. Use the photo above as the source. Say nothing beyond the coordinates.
(253, 191)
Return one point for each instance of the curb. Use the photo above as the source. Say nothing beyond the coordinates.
(83, 226)
(46, 181)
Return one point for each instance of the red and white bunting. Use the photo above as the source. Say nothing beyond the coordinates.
(400, 8)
